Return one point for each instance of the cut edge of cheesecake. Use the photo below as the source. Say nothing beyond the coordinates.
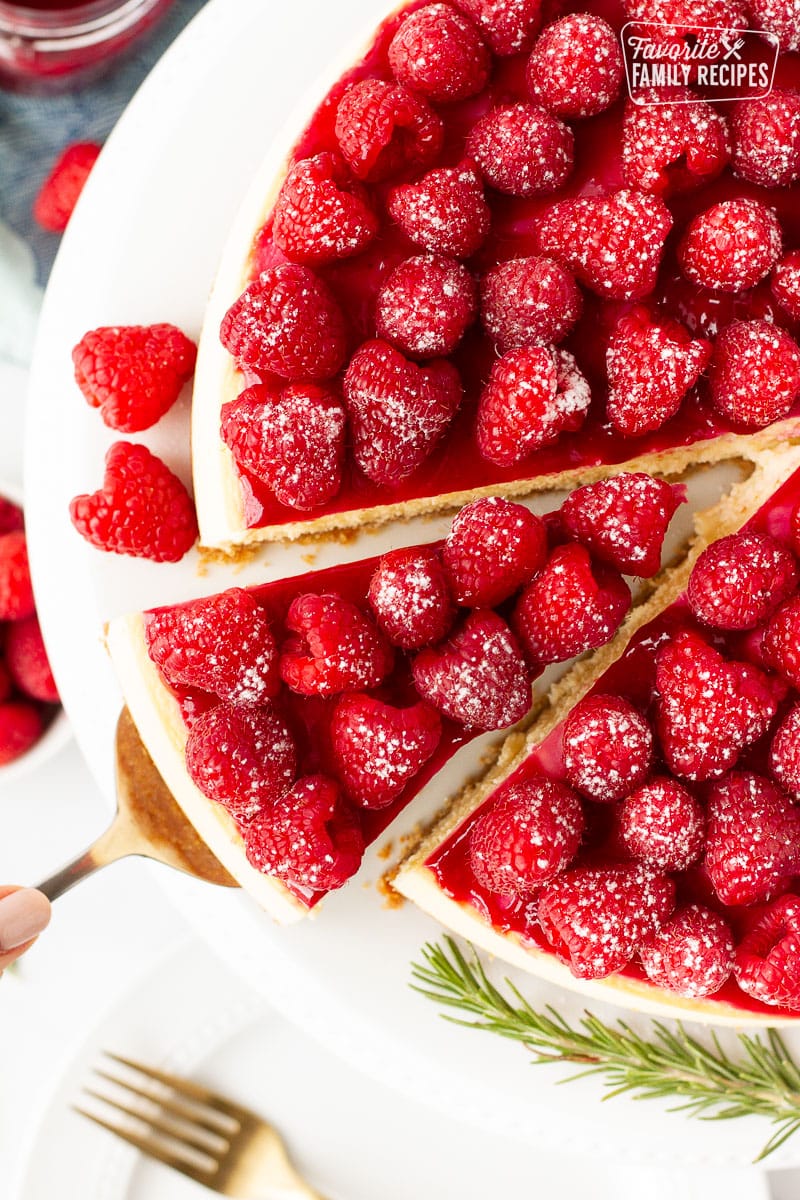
(416, 882)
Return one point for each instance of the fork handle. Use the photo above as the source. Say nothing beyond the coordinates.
(103, 851)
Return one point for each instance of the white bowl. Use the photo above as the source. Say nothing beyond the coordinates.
(58, 732)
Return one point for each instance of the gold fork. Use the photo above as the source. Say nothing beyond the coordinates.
(198, 1132)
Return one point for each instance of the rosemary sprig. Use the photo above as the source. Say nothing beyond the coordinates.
(763, 1080)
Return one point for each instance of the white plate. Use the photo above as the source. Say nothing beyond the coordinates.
(142, 246)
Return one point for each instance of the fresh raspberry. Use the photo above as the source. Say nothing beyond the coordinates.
(529, 302)
(20, 728)
(493, 548)
(426, 305)
(336, 647)
(663, 824)
(651, 366)
(781, 17)
(438, 52)
(522, 150)
(595, 918)
(753, 839)
(731, 246)
(767, 963)
(445, 212)
(608, 747)
(740, 580)
(781, 643)
(384, 131)
(243, 758)
(573, 605)
(310, 838)
(529, 833)
(697, 15)
(670, 148)
(708, 709)
(766, 139)
(409, 596)
(507, 25)
(612, 243)
(11, 517)
(575, 68)
(378, 748)
(784, 754)
(692, 953)
(321, 214)
(222, 644)
(533, 395)
(478, 676)
(785, 284)
(755, 373)
(292, 440)
(27, 661)
(133, 373)
(398, 410)
(142, 509)
(59, 193)
(623, 520)
(287, 322)
(16, 589)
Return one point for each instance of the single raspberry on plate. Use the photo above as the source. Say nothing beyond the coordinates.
(573, 605)
(608, 747)
(493, 548)
(26, 658)
(20, 729)
(133, 373)
(623, 520)
(522, 150)
(740, 580)
(613, 243)
(508, 25)
(708, 708)
(755, 373)
(321, 213)
(409, 596)
(378, 748)
(731, 246)
(663, 824)
(292, 440)
(426, 305)
(335, 647)
(438, 52)
(784, 753)
(529, 302)
(243, 758)
(16, 589)
(752, 840)
(398, 410)
(222, 644)
(595, 918)
(651, 364)
(533, 395)
(287, 322)
(785, 284)
(142, 509)
(445, 212)
(59, 193)
(11, 517)
(781, 644)
(478, 676)
(575, 68)
(766, 139)
(692, 953)
(310, 837)
(767, 963)
(778, 17)
(673, 147)
(530, 832)
(383, 130)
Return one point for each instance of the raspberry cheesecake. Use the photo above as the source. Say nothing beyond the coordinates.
(641, 841)
(482, 270)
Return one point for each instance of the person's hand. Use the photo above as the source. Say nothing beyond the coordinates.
(24, 913)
